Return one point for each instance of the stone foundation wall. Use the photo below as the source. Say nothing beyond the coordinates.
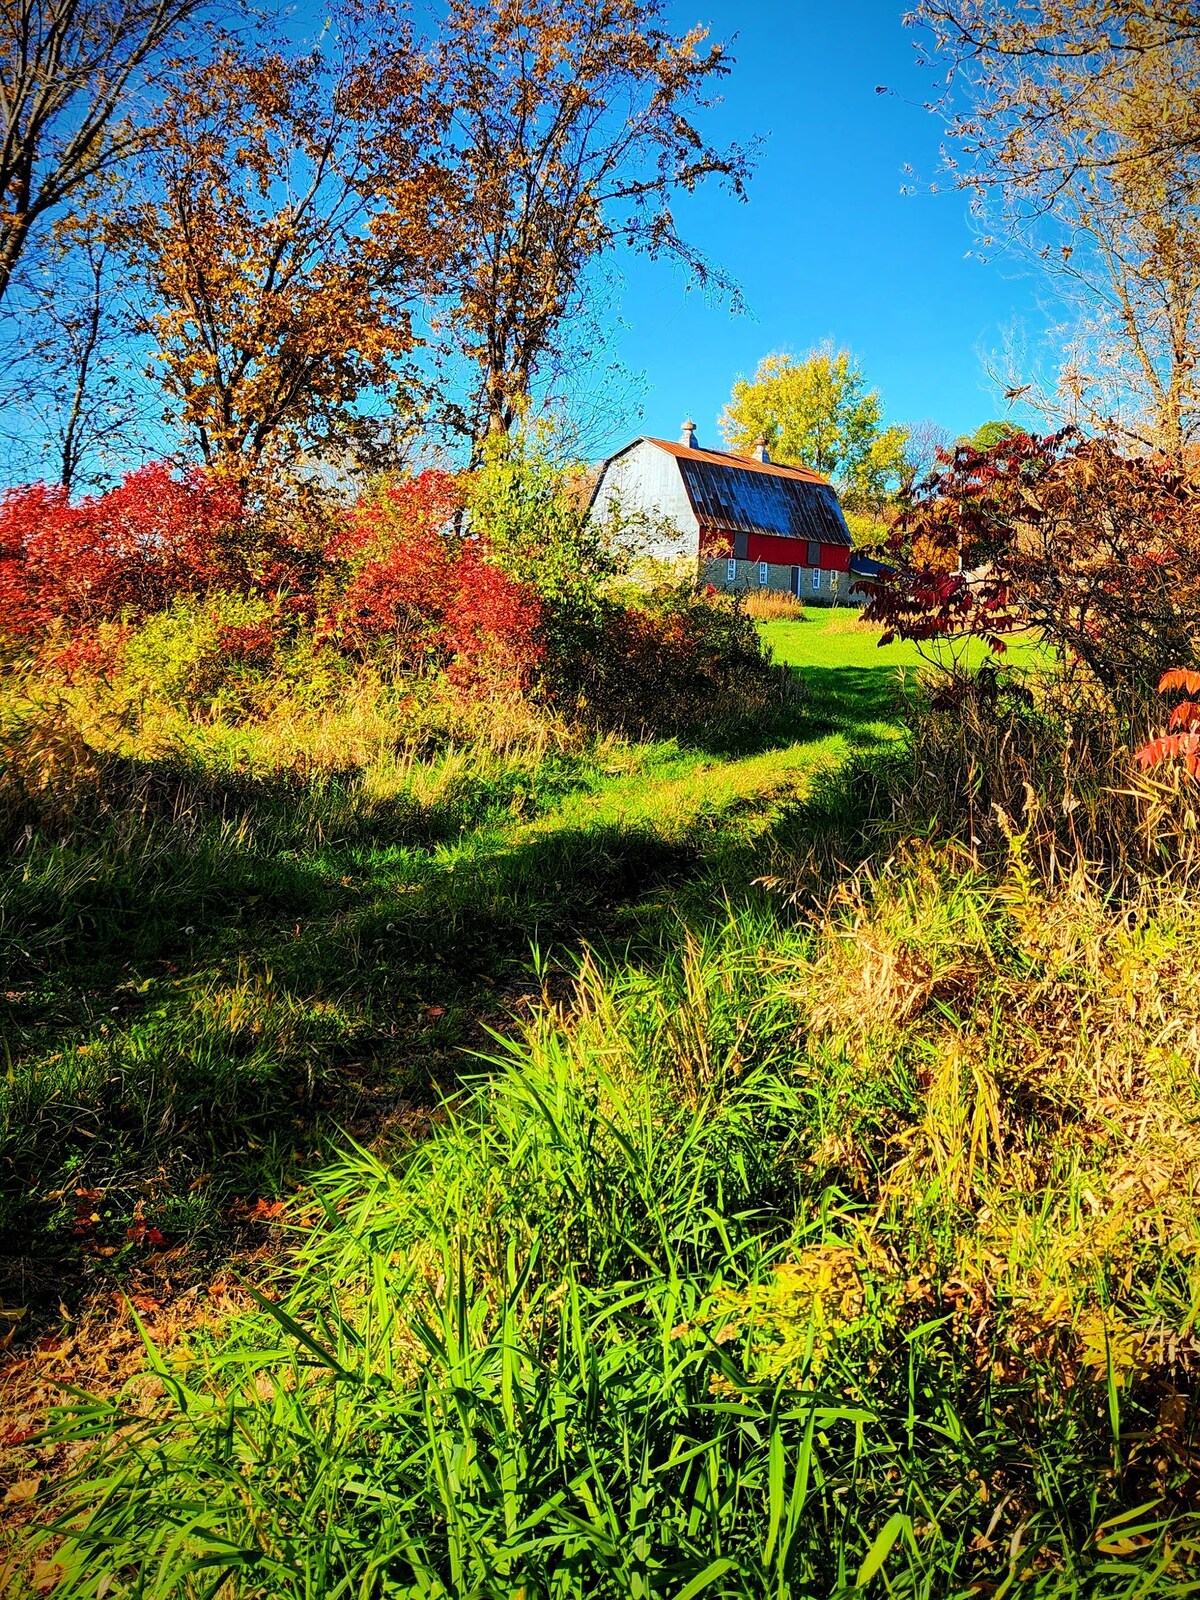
(834, 586)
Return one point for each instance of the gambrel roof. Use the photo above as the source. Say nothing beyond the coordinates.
(737, 494)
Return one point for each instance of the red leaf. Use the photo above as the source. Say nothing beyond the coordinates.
(1168, 747)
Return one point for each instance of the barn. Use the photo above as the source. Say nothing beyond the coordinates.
(747, 522)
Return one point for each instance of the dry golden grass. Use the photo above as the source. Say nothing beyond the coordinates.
(771, 605)
(1051, 1161)
(1044, 772)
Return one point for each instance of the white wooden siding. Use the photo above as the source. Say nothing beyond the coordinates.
(644, 483)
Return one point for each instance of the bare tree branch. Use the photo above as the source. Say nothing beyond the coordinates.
(70, 72)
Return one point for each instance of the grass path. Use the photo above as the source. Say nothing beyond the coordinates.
(193, 1022)
(890, 1205)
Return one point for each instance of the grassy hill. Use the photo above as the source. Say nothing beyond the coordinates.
(747, 1196)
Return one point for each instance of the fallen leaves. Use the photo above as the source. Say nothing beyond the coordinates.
(23, 1492)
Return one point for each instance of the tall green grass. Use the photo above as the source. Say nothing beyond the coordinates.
(828, 1222)
(816, 1256)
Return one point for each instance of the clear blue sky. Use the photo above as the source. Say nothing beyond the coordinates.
(828, 246)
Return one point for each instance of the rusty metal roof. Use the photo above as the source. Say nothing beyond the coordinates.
(726, 458)
(735, 495)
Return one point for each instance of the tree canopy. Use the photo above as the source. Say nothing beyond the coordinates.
(295, 220)
(76, 78)
(397, 211)
(571, 126)
(1075, 124)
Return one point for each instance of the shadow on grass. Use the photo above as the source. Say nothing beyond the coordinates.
(207, 985)
(196, 1012)
(851, 701)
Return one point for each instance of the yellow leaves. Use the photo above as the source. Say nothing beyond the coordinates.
(788, 1321)
(24, 1492)
(1110, 1348)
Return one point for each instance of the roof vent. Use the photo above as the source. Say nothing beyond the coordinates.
(688, 437)
(759, 453)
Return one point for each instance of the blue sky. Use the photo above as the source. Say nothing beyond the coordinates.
(828, 246)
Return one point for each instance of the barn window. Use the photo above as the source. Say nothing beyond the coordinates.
(814, 554)
(762, 572)
(816, 580)
(731, 569)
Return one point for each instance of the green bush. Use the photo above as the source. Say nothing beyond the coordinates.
(183, 655)
(533, 514)
(673, 662)
(226, 656)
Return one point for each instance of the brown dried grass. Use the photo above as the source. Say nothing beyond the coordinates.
(842, 620)
(772, 605)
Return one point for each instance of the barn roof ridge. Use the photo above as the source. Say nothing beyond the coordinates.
(727, 458)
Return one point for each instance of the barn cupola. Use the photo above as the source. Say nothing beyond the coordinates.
(688, 437)
(759, 453)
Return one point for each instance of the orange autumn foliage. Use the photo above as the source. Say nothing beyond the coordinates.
(281, 294)
(1181, 740)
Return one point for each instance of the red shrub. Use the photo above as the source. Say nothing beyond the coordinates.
(412, 510)
(412, 579)
(1097, 550)
(90, 654)
(128, 551)
(396, 573)
(493, 624)
(252, 643)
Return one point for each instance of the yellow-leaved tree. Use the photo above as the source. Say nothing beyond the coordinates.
(818, 412)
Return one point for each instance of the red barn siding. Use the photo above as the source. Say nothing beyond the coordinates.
(776, 551)
(794, 553)
(715, 543)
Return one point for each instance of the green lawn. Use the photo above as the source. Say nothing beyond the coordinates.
(829, 638)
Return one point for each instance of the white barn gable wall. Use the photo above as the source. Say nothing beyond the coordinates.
(644, 482)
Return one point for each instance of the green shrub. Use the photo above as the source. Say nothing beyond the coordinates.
(532, 512)
(203, 653)
(676, 661)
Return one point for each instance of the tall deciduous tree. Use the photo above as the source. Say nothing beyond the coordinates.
(296, 219)
(573, 130)
(1081, 120)
(1035, 67)
(73, 82)
(819, 413)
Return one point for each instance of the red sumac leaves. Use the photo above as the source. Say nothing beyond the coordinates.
(124, 553)
(1182, 741)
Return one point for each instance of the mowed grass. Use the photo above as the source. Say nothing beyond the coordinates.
(203, 997)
